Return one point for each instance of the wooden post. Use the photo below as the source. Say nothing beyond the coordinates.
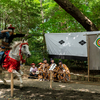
(51, 79)
(88, 58)
(12, 84)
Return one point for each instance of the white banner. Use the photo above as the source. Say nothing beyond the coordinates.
(66, 44)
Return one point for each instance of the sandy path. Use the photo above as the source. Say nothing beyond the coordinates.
(36, 90)
(79, 86)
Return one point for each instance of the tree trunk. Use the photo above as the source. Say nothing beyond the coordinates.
(77, 14)
(42, 14)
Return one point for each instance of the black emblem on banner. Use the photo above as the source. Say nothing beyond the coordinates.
(82, 42)
(61, 42)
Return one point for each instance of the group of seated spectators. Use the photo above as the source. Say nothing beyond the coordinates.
(60, 72)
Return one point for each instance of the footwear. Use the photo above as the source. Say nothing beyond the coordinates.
(40, 80)
(60, 81)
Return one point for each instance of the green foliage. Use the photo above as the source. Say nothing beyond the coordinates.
(25, 15)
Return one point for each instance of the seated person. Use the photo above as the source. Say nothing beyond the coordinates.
(33, 70)
(53, 62)
(43, 69)
(39, 75)
(40, 64)
(63, 72)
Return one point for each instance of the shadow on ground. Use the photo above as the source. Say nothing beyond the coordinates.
(35, 93)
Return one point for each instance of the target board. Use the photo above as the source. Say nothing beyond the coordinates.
(97, 42)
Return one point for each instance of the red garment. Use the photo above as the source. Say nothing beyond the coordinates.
(11, 27)
(10, 63)
(32, 63)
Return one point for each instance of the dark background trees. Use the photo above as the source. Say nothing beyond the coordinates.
(60, 16)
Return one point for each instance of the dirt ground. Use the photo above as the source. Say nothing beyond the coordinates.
(35, 90)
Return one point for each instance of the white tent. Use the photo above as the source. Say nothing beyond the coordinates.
(67, 45)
